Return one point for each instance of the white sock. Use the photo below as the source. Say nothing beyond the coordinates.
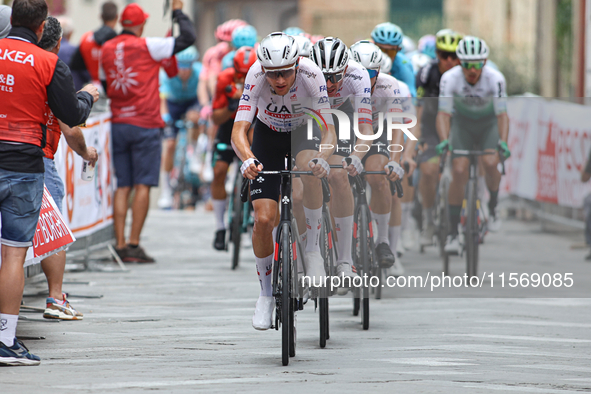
(394, 234)
(313, 220)
(382, 225)
(406, 210)
(344, 229)
(165, 186)
(264, 271)
(8, 328)
(219, 209)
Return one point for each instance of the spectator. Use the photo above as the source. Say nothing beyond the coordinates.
(5, 12)
(85, 60)
(66, 49)
(131, 64)
(35, 78)
(585, 176)
(57, 306)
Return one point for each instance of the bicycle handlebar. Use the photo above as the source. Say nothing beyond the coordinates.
(463, 152)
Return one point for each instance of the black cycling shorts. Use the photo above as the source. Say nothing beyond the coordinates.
(271, 149)
(224, 135)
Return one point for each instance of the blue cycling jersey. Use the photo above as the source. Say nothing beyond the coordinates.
(228, 60)
(178, 91)
(403, 71)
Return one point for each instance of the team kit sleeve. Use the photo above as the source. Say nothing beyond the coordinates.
(316, 88)
(500, 96)
(363, 98)
(446, 103)
(249, 100)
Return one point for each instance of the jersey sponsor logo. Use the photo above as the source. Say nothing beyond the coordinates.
(245, 97)
(256, 191)
(17, 57)
(366, 100)
(123, 77)
(259, 74)
(308, 73)
(248, 86)
(354, 76)
(244, 108)
(323, 100)
(367, 90)
(364, 111)
(293, 89)
(323, 88)
(294, 97)
(6, 83)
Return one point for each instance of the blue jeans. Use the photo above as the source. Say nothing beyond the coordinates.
(20, 202)
(54, 183)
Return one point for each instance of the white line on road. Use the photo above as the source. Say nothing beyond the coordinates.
(521, 338)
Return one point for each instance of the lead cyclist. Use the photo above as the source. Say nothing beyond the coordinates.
(472, 115)
(282, 86)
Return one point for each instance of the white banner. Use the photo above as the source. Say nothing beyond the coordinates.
(88, 205)
(550, 142)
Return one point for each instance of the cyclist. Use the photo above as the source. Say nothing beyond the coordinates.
(475, 96)
(428, 45)
(389, 38)
(304, 44)
(385, 98)
(243, 36)
(281, 85)
(428, 80)
(229, 89)
(293, 31)
(178, 99)
(349, 90)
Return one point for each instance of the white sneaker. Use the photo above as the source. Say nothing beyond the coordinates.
(315, 268)
(165, 200)
(407, 239)
(452, 245)
(396, 270)
(345, 270)
(263, 313)
(427, 235)
(494, 223)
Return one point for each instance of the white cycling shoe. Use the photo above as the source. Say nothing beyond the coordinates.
(346, 270)
(165, 200)
(494, 223)
(427, 235)
(396, 270)
(315, 269)
(452, 245)
(263, 313)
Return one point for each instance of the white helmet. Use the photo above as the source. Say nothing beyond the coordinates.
(330, 54)
(419, 60)
(367, 54)
(386, 63)
(408, 45)
(472, 48)
(304, 44)
(278, 50)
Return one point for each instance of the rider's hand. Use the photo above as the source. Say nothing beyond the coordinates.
(412, 165)
(90, 88)
(504, 149)
(91, 156)
(250, 168)
(442, 146)
(319, 167)
(393, 171)
(355, 168)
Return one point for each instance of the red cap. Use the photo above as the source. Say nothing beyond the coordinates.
(133, 15)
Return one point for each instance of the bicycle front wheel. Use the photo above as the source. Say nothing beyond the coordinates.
(472, 235)
(236, 221)
(363, 233)
(287, 298)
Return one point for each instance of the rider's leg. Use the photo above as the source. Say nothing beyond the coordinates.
(407, 202)
(342, 209)
(169, 146)
(218, 197)
(265, 215)
(428, 189)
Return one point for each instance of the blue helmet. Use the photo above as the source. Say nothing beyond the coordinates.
(387, 34)
(187, 57)
(244, 36)
(293, 31)
(427, 45)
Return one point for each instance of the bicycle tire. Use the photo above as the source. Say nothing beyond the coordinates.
(443, 228)
(356, 301)
(236, 221)
(286, 301)
(472, 235)
(326, 250)
(381, 275)
(363, 243)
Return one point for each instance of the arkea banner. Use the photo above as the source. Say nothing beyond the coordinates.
(88, 205)
(52, 234)
(550, 142)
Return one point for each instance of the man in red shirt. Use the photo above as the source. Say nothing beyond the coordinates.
(228, 91)
(86, 57)
(130, 66)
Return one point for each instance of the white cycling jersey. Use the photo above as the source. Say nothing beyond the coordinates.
(408, 106)
(386, 98)
(284, 113)
(488, 97)
(357, 87)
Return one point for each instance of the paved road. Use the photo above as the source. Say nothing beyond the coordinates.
(183, 325)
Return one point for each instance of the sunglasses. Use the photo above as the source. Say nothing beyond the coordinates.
(284, 72)
(474, 65)
(373, 73)
(447, 55)
(334, 78)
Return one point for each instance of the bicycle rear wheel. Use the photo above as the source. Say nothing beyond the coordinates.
(472, 235)
(326, 251)
(443, 223)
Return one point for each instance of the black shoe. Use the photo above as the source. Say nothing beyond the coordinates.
(219, 243)
(385, 255)
(137, 255)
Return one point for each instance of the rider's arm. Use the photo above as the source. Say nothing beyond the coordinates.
(446, 105)
(503, 121)
(416, 131)
(202, 93)
(240, 141)
(76, 141)
(443, 123)
(500, 104)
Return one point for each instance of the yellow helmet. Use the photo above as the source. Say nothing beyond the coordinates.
(447, 40)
